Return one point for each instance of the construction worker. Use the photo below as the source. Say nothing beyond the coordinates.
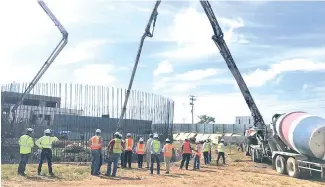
(140, 152)
(209, 152)
(206, 148)
(96, 143)
(115, 147)
(123, 151)
(186, 153)
(45, 143)
(221, 151)
(155, 149)
(128, 150)
(168, 153)
(147, 150)
(197, 157)
(26, 143)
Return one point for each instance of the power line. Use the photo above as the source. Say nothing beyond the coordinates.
(192, 99)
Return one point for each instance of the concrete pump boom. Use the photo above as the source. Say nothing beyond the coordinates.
(49, 60)
(147, 33)
(225, 52)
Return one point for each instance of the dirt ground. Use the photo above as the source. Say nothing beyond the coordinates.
(239, 171)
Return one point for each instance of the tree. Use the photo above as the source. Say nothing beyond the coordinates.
(204, 119)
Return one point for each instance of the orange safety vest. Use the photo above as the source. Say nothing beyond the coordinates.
(128, 144)
(140, 149)
(96, 143)
(187, 148)
(168, 150)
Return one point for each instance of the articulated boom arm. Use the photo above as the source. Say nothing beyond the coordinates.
(221, 44)
(147, 33)
(49, 60)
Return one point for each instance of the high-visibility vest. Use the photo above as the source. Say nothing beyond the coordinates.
(140, 149)
(117, 148)
(198, 148)
(156, 145)
(46, 141)
(168, 150)
(25, 143)
(96, 143)
(187, 148)
(206, 147)
(128, 144)
(221, 147)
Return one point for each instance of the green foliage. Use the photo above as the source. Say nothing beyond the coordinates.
(204, 119)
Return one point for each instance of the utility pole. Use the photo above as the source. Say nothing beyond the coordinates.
(192, 99)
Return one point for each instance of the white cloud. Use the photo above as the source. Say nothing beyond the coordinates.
(84, 51)
(96, 74)
(260, 77)
(184, 81)
(163, 68)
(192, 31)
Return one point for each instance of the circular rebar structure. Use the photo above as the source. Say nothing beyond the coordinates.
(73, 112)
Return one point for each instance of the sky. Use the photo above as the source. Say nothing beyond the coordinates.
(279, 48)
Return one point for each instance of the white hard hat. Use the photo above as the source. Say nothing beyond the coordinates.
(29, 130)
(167, 140)
(155, 135)
(222, 140)
(141, 140)
(98, 130)
(117, 133)
(47, 131)
(128, 134)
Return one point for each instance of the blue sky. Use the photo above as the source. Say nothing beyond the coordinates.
(279, 47)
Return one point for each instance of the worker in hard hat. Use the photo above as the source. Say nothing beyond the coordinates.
(129, 144)
(155, 150)
(96, 144)
(140, 152)
(26, 143)
(186, 154)
(46, 143)
(210, 151)
(115, 147)
(123, 151)
(206, 148)
(197, 157)
(147, 150)
(221, 151)
(168, 153)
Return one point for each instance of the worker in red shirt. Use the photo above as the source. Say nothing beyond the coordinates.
(186, 154)
(115, 148)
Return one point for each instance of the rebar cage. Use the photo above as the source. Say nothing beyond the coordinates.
(73, 112)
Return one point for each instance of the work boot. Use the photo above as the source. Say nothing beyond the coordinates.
(167, 172)
(52, 174)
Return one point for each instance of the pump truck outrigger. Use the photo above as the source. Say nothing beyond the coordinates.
(63, 42)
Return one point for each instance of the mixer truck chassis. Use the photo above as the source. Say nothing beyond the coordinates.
(296, 165)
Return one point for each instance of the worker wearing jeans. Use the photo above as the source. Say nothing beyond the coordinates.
(155, 149)
(95, 143)
(187, 151)
(221, 152)
(115, 148)
(26, 143)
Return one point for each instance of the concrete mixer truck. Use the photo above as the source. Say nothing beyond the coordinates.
(294, 142)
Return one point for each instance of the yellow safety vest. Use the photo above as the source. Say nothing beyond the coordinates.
(25, 143)
(46, 141)
(206, 147)
(221, 147)
(117, 148)
(156, 145)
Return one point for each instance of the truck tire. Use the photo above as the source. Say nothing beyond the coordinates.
(253, 155)
(280, 164)
(292, 168)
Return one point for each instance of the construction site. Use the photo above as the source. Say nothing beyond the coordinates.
(288, 151)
